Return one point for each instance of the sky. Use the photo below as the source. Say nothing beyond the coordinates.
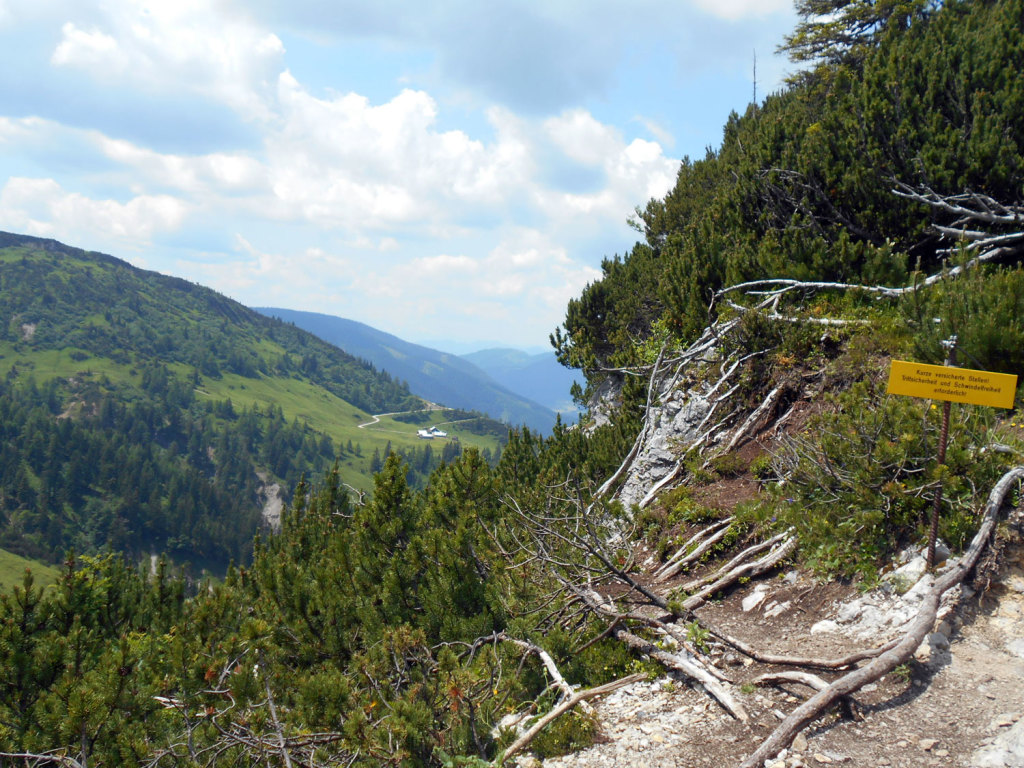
(450, 172)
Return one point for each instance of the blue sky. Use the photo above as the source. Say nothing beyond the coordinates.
(451, 172)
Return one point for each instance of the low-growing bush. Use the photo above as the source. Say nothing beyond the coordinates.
(860, 480)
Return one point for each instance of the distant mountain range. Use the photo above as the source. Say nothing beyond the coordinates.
(505, 384)
(539, 377)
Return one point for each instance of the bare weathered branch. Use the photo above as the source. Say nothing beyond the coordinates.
(883, 664)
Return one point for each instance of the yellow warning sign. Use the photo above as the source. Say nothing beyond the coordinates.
(958, 385)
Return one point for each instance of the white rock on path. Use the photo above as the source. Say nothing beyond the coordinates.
(755, 598)
(1006, 751)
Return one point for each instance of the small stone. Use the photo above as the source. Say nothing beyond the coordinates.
(771, 613)
(1005, 720)
(941, 753)
(754, 599)
(823, 759)
(800, 743)
(927, 744)
(850, 612)
(1016, 647)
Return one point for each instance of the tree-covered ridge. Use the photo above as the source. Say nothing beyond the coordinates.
(53, 296)
(140, 473)
(801, 186)
(350, 640)
(117, 428)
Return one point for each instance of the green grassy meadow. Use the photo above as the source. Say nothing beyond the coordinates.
(12, 571)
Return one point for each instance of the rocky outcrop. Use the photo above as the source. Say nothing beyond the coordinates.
(672, 424)
(272, 500)
(603, 402)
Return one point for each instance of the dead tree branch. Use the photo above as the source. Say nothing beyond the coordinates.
(782, 549)
(42, 759)
(578, 696)
(923, 622)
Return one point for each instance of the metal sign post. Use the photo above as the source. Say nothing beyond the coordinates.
(951, 385)
(933, 530)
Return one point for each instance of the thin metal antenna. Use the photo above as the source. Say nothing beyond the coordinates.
(755, 77)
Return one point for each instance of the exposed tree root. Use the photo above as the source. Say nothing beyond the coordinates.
(847, 703)
(777, 554)
(685, 661)
(741, 558)
(688, 666)
(710, 535)
(798, 661)
(754, 418)
(577, 697)
(919, 628)
(549, 664)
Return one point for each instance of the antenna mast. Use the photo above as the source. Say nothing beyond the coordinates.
(755, 77)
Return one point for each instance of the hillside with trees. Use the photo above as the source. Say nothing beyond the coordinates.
(145, 414)
(738, 431)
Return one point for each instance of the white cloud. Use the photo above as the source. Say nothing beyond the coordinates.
(18, 131)
(634, 172)
(198, 46)
(274, 279)
(657, 130)
(581, 137)
(348, 163)
(228, 172)
(89, 49)
(518, 289)
(43, 207)
(733, 10)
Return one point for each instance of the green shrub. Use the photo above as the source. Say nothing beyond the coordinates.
(984, 308)
(727, 465)
(571, 732)
(861, 478)
(761, 467)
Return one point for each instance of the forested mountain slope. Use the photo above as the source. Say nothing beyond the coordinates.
(138, 409)
(434, 375)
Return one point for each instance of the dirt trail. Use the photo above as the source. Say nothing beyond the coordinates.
(946, 708)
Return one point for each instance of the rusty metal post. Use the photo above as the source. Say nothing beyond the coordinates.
(950, 345)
